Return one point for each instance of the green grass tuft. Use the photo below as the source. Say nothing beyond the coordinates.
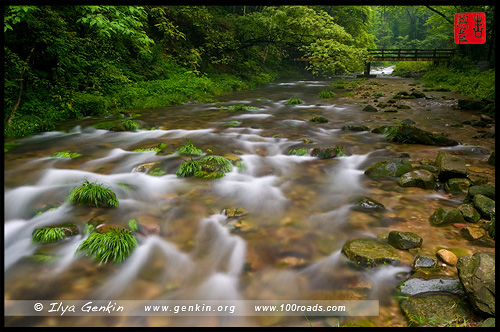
(48, 235)
(327, 94)
(93, 194)
(115, 245)
(293, 101)
(189, 149)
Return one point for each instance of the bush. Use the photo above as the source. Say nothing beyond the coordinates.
(88, 104)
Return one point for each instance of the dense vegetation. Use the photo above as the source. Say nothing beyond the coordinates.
(64, 62)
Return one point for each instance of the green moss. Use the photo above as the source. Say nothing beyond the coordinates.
(318, 119)
(115, 245)
(239, 107)
(298, 152)
(93, 194)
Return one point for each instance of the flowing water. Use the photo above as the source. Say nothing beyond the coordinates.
(296, 209)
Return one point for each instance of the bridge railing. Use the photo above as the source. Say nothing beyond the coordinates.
(411, 53)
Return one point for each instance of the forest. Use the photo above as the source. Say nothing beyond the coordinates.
(70, 62)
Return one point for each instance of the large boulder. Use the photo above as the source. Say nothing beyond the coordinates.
(477, 274)
(389, 168)
(370, 252)
(419, 178)
(450, 166)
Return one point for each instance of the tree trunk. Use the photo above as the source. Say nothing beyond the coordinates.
(21, 85)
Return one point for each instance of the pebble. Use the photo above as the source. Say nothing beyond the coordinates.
(447, 256)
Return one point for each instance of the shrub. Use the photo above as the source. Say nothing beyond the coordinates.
(93, 194)
(115, 244)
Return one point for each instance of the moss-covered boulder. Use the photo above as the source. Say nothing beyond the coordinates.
(418, 178)
(450, 166)
(404, 240)
(436, 310)
(477, 274)
(355, 128)
(420, 283)
(446, 215)
(487, 190)
(457, 186)
(370, 252)
(389, 168)
(327, 152)
(484, 205)
(469, 213)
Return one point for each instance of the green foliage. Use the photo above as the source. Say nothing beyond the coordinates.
(189, 149)
(298, 152)
(207, 167)
(318, 119)
(132, 224)
(48, 235)
(66, 155)
(327, 94)
(115, 245)
(188, 168)
(93, 194)
(239, 107)
(156, 148)
(232, 123)
(293, 101)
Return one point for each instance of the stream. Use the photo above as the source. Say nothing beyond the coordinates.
(294, 213)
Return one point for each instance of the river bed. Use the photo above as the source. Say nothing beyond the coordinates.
(296, 210)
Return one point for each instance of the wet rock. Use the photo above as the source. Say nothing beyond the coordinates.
(487, 190)
(420, 283)
(318, 119)
(145, 168)
(457, 186)
(484, 205)
(369, 108)
(380, 130)
(404, 240)
(418, 178)
(491, 159)
(488, 322)
(472, 233)
(355, 128)
(491, 230)
(447, 257)
(468, 104)
(370, 252)
(477, 274)
(469, 213)
(436, 310)
(324, 152)
(446, 215)
(367, 204)
(410, 134)
(450, 166)
(389, 169)
(424, 262)
(417, 94)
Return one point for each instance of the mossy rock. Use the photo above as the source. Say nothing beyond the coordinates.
(318, 119)
(446, 215)
(487, 190)
(404, 240)
(418, 178)
(369, 108)
(355, 128)
(370, 253)
(436, 310)
(491, 159)
(410, 134)
(469, 213)
(450, 166)
(457, 186)
(484, 205)
(389, 169)
(367, 204)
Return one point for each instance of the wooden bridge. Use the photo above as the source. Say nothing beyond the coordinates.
(435, 55)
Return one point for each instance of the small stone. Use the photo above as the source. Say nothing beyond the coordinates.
(447, 256)
(424, 262)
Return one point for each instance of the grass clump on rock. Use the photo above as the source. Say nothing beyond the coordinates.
(93, 194)
(327, 94)
(114, 245)
(51, 234)
(293, 101)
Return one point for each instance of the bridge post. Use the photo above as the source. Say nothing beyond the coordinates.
(367, 71)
